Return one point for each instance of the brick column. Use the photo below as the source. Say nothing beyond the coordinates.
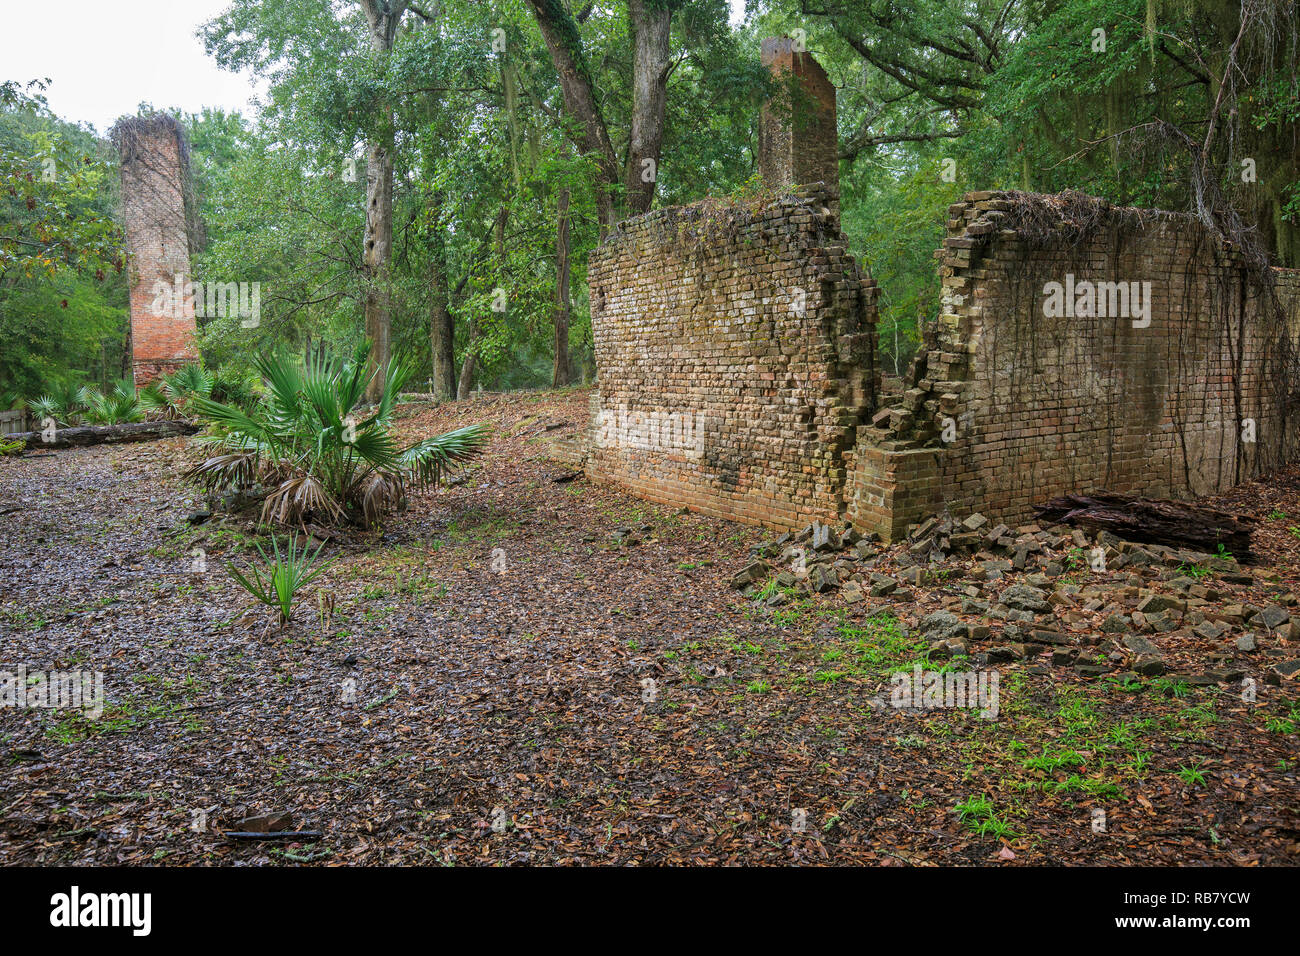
(153, 213)
(797, 141)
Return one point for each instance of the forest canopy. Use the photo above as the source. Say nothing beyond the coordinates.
(430, 177)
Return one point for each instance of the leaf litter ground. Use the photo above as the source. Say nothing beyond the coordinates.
(504, 677)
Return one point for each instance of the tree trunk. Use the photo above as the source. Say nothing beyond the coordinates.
(442, 332)
(383, 17)
(378, 245)
(565, 45)
(128, 353)
(1177, 524)
(562, 371)
(469, 366)
(651, 27)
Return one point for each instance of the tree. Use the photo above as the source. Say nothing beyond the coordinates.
(560, 32)
(54, 184)
(62, 277)
(562, 370)
(383, 17)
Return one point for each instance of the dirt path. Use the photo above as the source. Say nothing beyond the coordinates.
(603, 702)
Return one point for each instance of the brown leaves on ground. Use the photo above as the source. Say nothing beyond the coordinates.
(500, 675)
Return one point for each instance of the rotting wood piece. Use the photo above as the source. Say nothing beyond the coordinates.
(84, 435)
(1153, 520)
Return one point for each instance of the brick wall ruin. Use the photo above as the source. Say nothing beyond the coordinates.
(736, 353)
(153, 171)
(1082, 346)
(735, 341)
(735, 346)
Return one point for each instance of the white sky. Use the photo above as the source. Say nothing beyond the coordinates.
(105, 57)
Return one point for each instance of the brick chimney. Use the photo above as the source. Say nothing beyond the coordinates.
(796, 132)
(153, 215)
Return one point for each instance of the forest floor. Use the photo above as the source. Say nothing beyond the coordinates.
(594, 691)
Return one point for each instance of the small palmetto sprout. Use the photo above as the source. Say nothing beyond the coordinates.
(284, 575)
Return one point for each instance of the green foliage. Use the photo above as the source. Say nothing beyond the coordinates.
(62, 281)
(282, 577)
(934, 99)
(980, 816)
(321, 455)
(171, 396)
(113, 407)
(51, 184)
(480, 136)
(75, 405)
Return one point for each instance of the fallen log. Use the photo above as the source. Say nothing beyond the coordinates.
(83, 435)
(1154, 521)
(304, 836)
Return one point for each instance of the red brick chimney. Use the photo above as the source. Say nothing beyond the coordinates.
(152, 151)
(797, 141)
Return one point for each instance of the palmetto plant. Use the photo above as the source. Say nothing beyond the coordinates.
(65, 403)
(49, 407)
(168, 395)
(284, 576)
(318, 453)
(73, 404)
(117, 406)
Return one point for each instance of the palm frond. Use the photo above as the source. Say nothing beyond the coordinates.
(284, 387)
(377, 449)
(189, 380)
(123, 391)
(45, 407)
(235, 470)
(233, 420)
(296, 498)
(68, 396)
(399, 371)
(154, 398)
(434, 457)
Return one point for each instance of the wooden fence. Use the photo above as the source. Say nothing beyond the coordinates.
(13, 422)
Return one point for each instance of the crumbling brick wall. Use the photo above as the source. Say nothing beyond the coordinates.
(717, 393)
(735, 345)
(1011, 401)
(152, 152)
